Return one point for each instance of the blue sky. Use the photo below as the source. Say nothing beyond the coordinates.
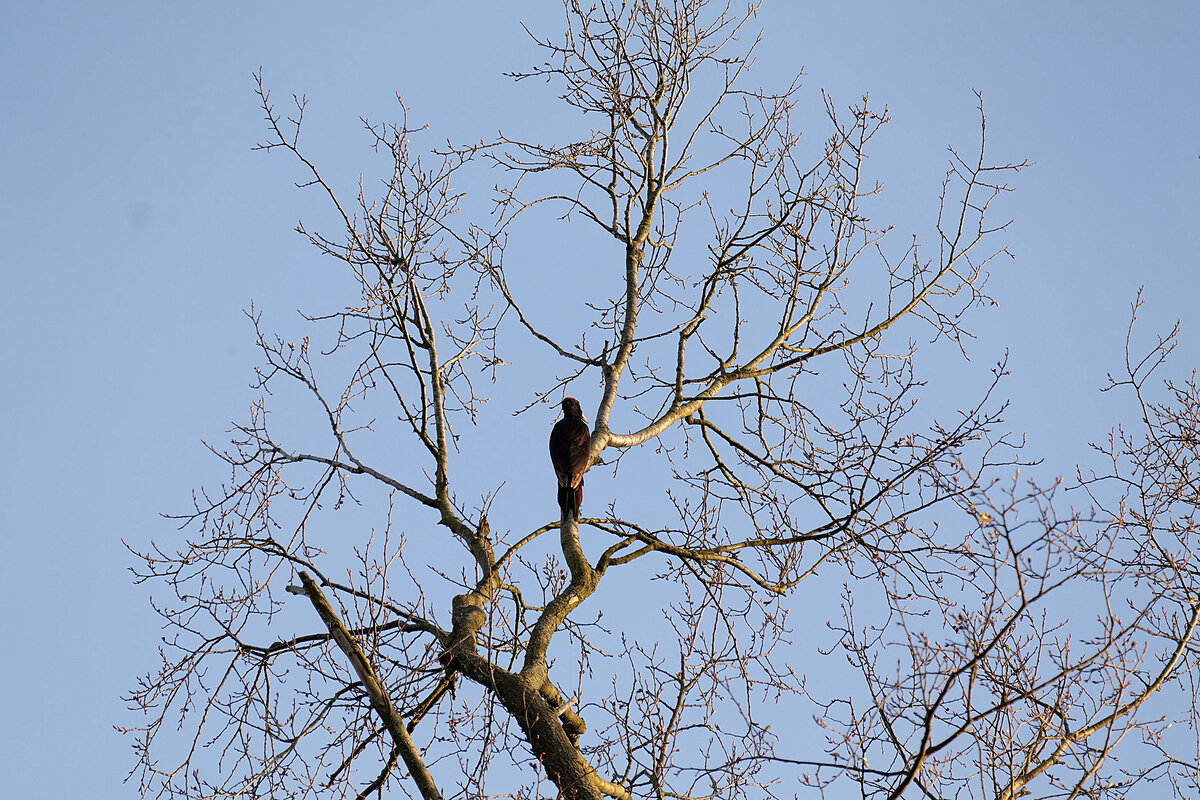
(138, 224)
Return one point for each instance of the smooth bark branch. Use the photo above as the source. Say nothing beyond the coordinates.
(583, 583)
(546, 734)
(1070, 738)
(375, 690)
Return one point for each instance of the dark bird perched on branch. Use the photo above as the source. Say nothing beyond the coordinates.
(570, 453)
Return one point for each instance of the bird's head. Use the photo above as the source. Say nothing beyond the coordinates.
(571, 408)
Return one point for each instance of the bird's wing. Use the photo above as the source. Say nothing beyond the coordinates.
(570, 450)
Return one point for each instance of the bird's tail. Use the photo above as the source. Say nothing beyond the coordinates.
(569, 499)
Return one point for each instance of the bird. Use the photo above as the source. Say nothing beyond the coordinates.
(570, 453)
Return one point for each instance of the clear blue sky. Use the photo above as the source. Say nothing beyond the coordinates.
(137, 224)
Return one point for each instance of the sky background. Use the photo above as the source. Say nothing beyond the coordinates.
(138, 224)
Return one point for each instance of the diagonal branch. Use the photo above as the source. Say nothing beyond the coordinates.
(379, 698)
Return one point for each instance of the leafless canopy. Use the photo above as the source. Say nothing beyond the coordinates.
(748, 328)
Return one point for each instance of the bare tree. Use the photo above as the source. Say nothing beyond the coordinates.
(757, 343)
